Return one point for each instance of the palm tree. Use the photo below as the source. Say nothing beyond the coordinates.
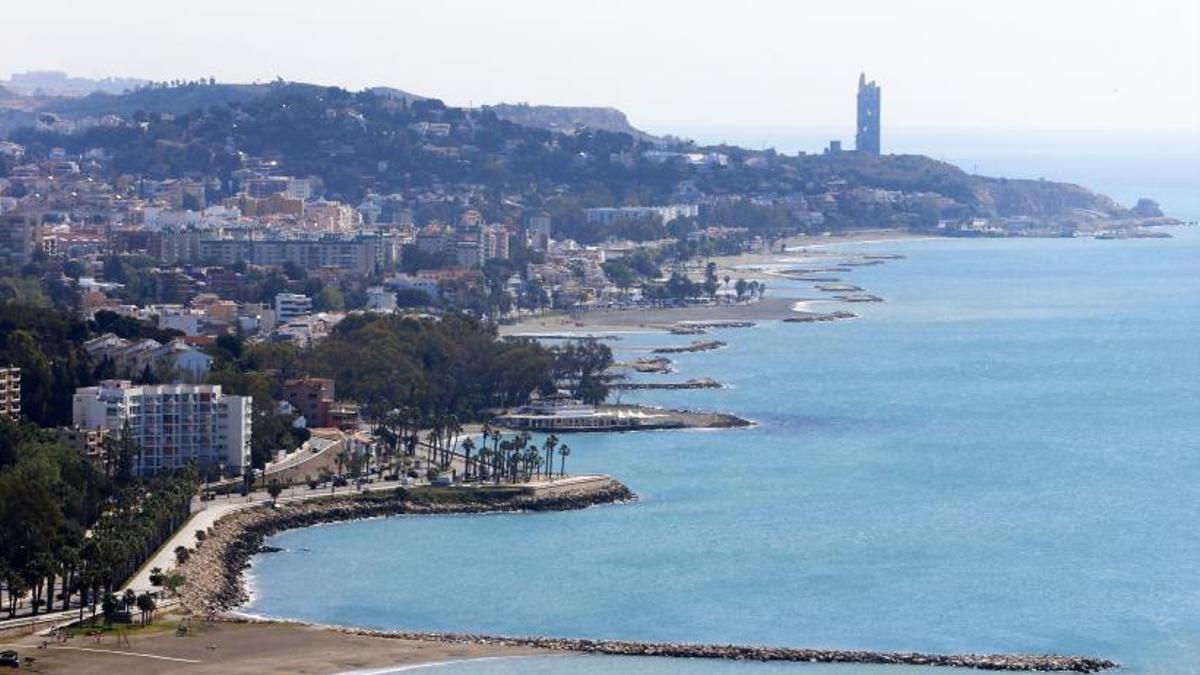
(563, 452)
(548, 447)
(274, 488)
(467, 445)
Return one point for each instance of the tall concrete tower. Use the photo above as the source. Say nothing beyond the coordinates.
(867, 137)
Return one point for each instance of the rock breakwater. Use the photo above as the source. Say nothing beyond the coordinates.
(817, 317)
(697, 346)
(697, 383)
(992, 662)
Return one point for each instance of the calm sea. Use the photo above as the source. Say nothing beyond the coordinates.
(1004, 456)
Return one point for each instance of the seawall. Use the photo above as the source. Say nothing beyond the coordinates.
(214, 569)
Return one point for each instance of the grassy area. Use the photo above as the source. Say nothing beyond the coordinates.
(162, 622)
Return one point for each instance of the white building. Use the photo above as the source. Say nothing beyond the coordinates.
(173, 424)
(414, 281)
(665, 214)
(289, 306)
(538, 233)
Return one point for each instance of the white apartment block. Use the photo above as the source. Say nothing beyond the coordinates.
(288, 306)
(173, 423)
(665, 214)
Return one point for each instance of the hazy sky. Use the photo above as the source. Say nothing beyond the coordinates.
(1011, 64)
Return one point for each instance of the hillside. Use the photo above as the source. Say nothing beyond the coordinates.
(174, 100)
(567, 118)
(389, 141)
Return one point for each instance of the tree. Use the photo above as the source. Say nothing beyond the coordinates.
(182, 554)
(563, 452)
(468, 446)
(330, 299)
(146, 606)
(549, 446)
(710, 279)
(274, 488)
(109, 606)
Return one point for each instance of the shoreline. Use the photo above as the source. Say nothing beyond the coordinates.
(215, 570)
(543, 646)
(216, 585)
(604, 323)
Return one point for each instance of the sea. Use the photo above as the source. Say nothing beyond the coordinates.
(1004, 456)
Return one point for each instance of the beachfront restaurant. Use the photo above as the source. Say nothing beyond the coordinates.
(562, 413)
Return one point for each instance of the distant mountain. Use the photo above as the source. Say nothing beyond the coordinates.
(361, 141)
(567, 119)
(58, 83)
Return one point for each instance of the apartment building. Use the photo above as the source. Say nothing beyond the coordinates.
(172, 424)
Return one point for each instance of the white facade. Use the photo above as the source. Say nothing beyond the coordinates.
(288, 306)
(173, 423)
(414, 281)
(665, 214)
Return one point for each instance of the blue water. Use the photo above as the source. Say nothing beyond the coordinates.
(1004, 456)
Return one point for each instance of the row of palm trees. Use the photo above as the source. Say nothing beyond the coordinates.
(515, 459)
(495, 457)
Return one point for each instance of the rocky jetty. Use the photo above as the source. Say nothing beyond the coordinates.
(697, 346)
(820, 317)
(696, 383)
(715, 324)
(686, 330)
(839, 288)
(689, 419)
(214, 570)
(1000, 662)
(659, 365)
(858, 297)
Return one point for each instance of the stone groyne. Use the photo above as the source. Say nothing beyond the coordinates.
(214, 570)
(716, 323)
(697, 383)
(994, 662)
(697, 346)
(818, 317)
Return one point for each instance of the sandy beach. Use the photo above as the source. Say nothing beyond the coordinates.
(803, 251)
(239, 647)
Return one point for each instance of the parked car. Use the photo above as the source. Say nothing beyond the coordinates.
(9, 659)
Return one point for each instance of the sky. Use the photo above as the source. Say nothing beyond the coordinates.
(672, 66)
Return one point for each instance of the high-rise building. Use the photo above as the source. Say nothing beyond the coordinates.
(172, 424)
(538, 233)
(866, 139)
(20, 238)
(10, 392)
